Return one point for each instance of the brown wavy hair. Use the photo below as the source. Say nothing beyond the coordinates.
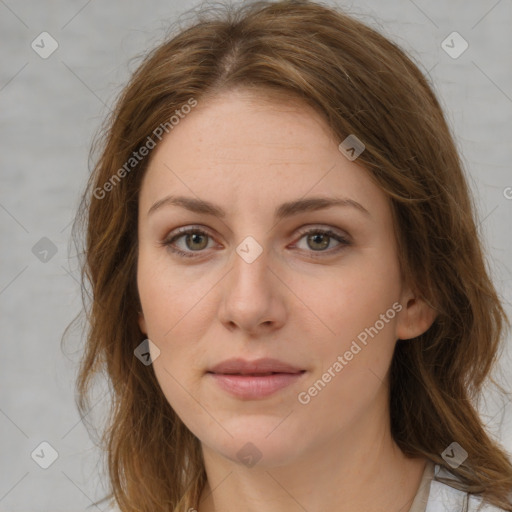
(362, 84)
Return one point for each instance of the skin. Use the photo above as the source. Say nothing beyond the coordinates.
(248, 155)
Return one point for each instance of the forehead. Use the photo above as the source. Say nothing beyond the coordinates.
(241, 123)
(247, 149)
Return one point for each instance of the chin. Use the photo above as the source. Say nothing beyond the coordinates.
(258, 443)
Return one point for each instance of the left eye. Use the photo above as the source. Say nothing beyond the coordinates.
(317, 240)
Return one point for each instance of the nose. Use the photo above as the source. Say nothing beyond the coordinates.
(253, 297)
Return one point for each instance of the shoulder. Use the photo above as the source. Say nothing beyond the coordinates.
(444, 498)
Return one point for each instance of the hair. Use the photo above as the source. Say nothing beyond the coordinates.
(362, 84)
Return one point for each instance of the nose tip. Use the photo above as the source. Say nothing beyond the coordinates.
(251, 300)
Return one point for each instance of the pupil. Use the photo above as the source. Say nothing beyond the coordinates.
(315, 237)
(194, 237)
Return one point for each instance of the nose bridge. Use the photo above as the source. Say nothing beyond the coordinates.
(250, 269)
(251, 295)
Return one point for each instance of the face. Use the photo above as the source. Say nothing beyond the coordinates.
(275, 309)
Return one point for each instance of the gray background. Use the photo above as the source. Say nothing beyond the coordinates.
(49, 110)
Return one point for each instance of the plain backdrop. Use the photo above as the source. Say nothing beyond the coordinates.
(50, 109)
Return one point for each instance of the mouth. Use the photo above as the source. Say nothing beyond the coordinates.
(264, 366)
(255, 374)
(252, 380)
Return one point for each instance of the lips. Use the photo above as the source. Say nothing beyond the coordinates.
(264, 366)
(254, 380)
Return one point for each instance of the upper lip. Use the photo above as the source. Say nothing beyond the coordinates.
(258, 366)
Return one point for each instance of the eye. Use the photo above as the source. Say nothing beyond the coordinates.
(194, 240)
(319, 241)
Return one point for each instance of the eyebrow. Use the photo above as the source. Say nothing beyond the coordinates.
(285, 210)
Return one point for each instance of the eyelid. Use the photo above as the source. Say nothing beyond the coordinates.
(335, 232)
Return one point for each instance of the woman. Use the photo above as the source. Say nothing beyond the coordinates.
(289, 296)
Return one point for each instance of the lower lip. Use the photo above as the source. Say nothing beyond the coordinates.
(251, 387)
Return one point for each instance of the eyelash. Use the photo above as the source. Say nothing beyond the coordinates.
(344, 242)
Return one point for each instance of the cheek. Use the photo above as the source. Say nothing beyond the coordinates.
(346, 302)
(168, 296)
(354, 363)
(169, 307)
(358, 331)
(177, 311)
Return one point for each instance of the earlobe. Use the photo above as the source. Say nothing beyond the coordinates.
(415, 318)
(142, 323)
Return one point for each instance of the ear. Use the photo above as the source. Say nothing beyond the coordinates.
(415, 317)
(142, 323)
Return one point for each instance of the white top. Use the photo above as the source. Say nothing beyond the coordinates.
(433, 496)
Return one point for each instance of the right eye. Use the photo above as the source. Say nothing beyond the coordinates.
(195, 240)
